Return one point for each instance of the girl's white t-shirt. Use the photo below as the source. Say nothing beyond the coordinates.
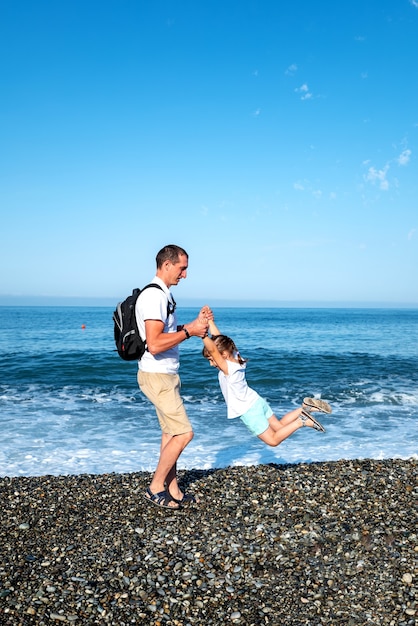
(239, 397)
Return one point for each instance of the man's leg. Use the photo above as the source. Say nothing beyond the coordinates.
(163, 391)
(165, 476)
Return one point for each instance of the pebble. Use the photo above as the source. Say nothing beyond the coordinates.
(321, 543)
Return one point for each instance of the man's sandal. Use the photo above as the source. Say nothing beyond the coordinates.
(305, 416)
(162, 499)
(188, 498)
(314, 404)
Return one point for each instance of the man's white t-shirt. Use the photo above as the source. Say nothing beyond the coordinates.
(152, 305)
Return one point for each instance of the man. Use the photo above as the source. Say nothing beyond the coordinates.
(158, 375)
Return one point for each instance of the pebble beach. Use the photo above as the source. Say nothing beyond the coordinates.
(319, 543)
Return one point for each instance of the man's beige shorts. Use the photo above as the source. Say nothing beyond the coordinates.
(163, 390)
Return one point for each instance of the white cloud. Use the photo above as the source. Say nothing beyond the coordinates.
(257, 112)
(411, 234)
(291, 69)
(304, 90)
(414, 3)
(378, 176)
(404, 157)
(305, 185)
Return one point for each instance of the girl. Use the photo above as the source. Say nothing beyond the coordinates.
(244, 402)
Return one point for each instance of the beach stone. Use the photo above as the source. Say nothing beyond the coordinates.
(326, 556)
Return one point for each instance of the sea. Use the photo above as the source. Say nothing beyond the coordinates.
(70, 405)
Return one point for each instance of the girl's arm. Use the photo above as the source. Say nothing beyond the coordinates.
(213, 329)
(214, 353)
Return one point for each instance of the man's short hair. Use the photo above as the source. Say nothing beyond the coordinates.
(169, 253)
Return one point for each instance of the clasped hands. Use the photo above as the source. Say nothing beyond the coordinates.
(199, 327)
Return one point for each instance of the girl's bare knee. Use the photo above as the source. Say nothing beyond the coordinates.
(269, 439)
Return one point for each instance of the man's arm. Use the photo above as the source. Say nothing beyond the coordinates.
(159, 341)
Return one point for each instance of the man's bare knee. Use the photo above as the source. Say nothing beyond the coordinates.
(186, 437)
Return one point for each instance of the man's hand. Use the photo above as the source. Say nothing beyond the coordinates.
(199, 326)
(206, 313)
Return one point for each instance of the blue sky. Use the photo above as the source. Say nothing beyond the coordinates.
(276, 141)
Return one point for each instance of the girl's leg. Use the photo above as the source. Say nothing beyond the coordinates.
(277, 424)
(275, 435)
(311, 406)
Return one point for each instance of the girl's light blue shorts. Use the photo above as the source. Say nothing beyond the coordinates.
(256, 419)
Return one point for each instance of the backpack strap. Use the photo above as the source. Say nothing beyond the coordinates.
(151, 285)
(170, 305)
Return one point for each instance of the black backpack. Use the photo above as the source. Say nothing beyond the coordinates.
(129, 344)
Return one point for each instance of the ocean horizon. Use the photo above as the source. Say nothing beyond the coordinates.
(111, 301)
